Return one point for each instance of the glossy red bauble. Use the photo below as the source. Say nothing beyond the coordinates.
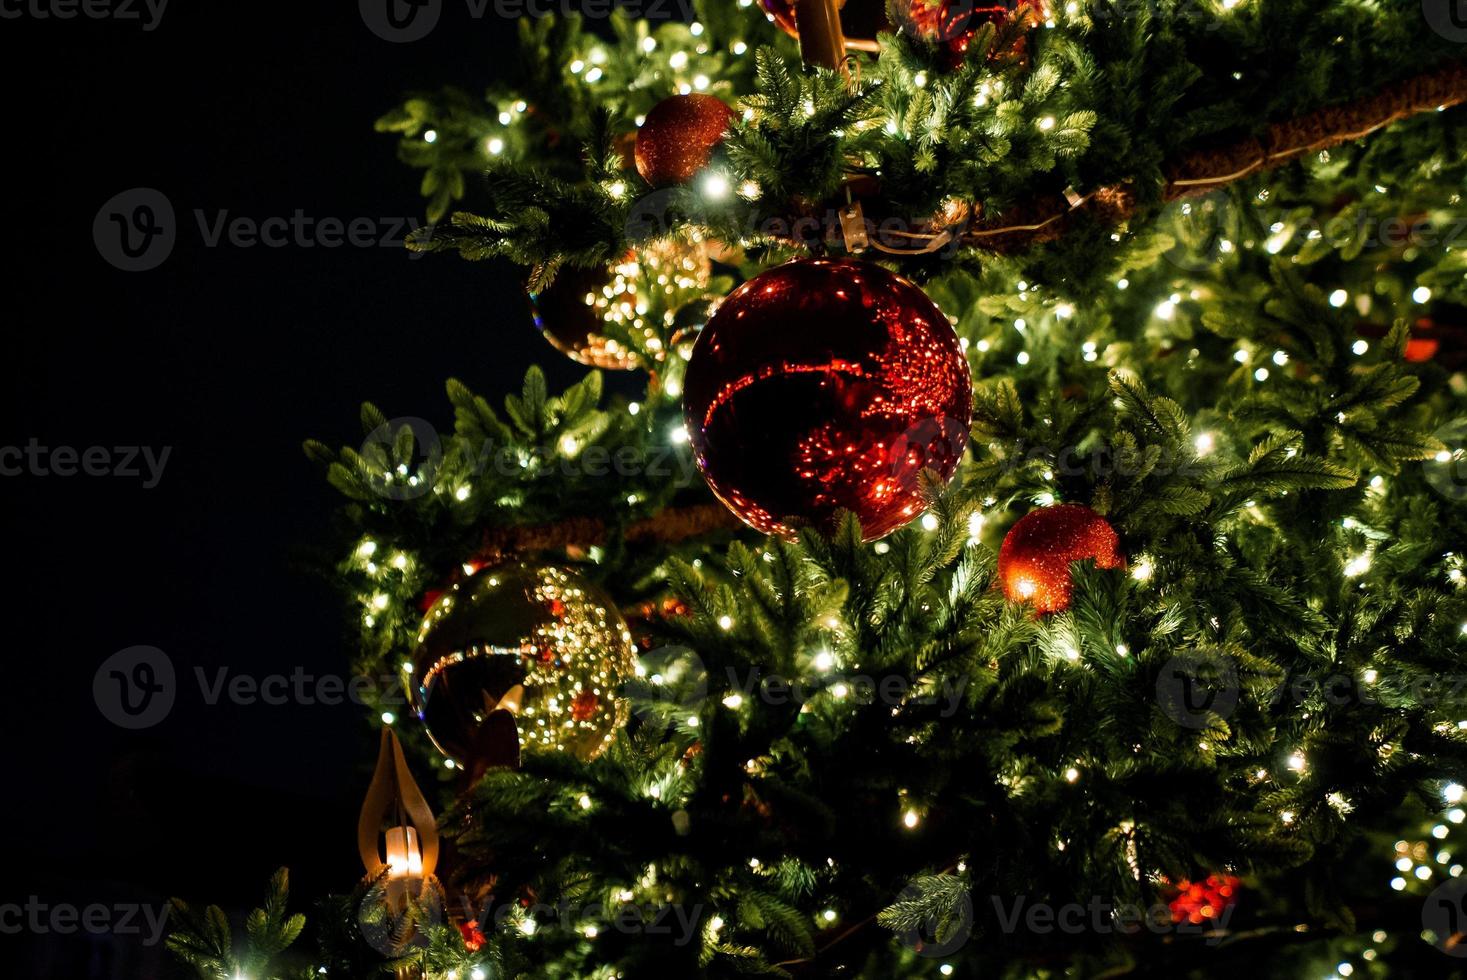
(825, 385)
(1034, 561)
(678, 137)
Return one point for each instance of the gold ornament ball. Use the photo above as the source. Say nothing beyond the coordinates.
(574, 313)
(537, 641)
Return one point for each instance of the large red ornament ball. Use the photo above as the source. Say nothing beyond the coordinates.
(825, 385)
(1034, 561)
(678, 137)
(951, 24)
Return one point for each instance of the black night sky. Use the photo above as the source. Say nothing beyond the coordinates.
(228, 356)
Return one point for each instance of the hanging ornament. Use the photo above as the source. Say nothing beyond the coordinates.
(583, 309)
(952, 24)
(860, 21)
(397, 839)
(1034, 560)
(678, 137)
(521, 656)
(825, 385)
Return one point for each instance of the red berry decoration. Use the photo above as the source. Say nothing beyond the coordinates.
(1203, 901)
(1034, 561)
(678, 137)
(473, 936)
(825, 385)
(951, 25)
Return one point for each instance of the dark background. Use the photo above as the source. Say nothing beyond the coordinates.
(230, 357)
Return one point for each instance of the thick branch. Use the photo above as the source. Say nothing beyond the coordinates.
(1196, 172)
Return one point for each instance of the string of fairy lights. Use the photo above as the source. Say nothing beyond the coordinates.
(398, 574)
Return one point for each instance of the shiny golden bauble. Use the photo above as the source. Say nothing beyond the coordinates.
(536, 644)
(636, 295)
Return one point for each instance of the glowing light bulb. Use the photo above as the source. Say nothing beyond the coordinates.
(715, 187)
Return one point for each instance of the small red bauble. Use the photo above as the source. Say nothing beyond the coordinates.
(678, 137)
(1034, 561)
(825, 385)
(951, 24)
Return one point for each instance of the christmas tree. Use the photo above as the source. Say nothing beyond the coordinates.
(1019, 532)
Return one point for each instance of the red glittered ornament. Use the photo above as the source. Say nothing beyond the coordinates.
(678, 137)
(1034, 561)
(825, 385)
(951, 25)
